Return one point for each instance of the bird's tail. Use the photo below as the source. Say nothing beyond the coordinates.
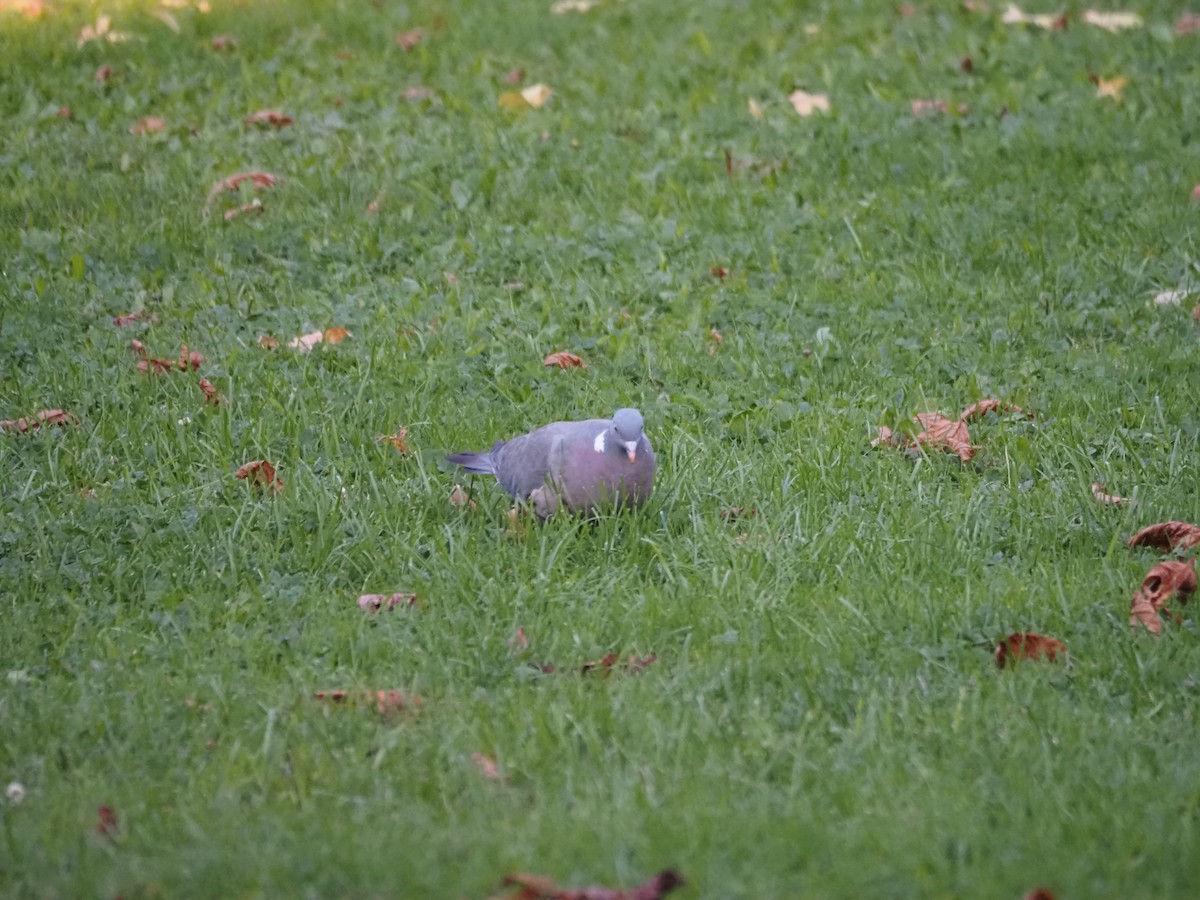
(479, 463)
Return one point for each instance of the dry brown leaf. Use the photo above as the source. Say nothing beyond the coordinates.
(254, 206)
(267, 342)
(719, 272)
(1111, 21)
(487, 766)
(983, 407)
(336, 334)
(374, 603)
(1014, 15)
(223, 42)
(514, 76)
(806, 104)
(1022, 645)
(189, 359)
(1107, 499)
(1039, 893)
(1163, 581)
(262, 473)
(1187, 23)
(1167, 536)
(306, 342)
(1110, 87)
(948, 434)
(103, 74)
(756, 110)
(564, 360)
(45, 417)
(154, 366)
(148, 125)
(233, 182)
(406, 40)
(210, 393)
(539, 887)
(396, 439)
(130, 318)
(101, 31)
(518, 641)
(536, 95)
(605, 666)
(385, 701)
(107, 824)
(274, 117)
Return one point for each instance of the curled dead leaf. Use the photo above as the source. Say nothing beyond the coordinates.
(267, 342)
(223, 42)
(45, 417)
(983, 407)
(130, 318)
(396, 439)
(374, 603)
(210, 393)
(148, 125)
(755, 108)
(1110, 87)
(564, 360)
(536, 95)
(1039, 893)
(1014, 15)
(1163, 581)
(336, 334)
(262, 473)
(1107, 499)
(406, 40)
(487, 766)
(233, 182)
(254, 206)
(610, 663)
(384, 701)
(107, 824)
(306, 342)
(1023, 645)
(719, 272)
(539, 887)
(806, 104)
(103, 73)
(273, 117)
(1167, 536)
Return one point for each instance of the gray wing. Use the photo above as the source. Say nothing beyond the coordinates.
(532, 460)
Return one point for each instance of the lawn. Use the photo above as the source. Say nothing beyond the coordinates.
(823, 716)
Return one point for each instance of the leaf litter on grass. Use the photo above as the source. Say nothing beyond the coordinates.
(540, 887)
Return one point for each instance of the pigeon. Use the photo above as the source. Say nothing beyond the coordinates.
(580, 466)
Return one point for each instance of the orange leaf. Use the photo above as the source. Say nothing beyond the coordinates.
(487, 766)
(232, 182)
(130, 318)
(155, 366)
(539, 887)
(1022, 645)
(1167, 536)
(269, 117)
(1110, 87)
(396, 440)
(373, 603)
(948, 434)
(262, 473)
(45, 417)
(1106, 499)
(406, 40)
(210, 393)
(254, 206)
(189, 360)
(336, 335)
(983, 407)
(385, 701)
(564, 360)
(605, 667)
(107, 824)
(148, 125)
(1162, 582)
(267, 342)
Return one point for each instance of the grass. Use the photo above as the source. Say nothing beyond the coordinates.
(824, 718)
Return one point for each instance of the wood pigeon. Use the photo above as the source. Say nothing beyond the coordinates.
(577, 465)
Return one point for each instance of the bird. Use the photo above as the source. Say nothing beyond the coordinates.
(580, 466)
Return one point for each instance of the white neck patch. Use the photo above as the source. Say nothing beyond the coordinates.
(598, 444)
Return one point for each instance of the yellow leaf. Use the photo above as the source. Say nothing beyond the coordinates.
(755, 111)
(1111, 87)
(1112, 21)
(336, 335)
(512, 100)
(536, 95)
(806, 104)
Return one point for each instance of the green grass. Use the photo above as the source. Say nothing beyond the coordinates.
(824, 718)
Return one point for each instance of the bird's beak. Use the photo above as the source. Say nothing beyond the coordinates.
(631, 450)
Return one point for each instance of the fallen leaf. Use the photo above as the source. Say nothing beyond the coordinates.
(487, 766)
(1162, 582)
(223, 42)
(154, 366)
(385, 701)
(306, 342)
(267, 342)
(148, 125)
(605, 666)
(45, 417)
(948, 434)
(536, 95)
(539, 887)
(806, 104)
(1014, 15)
(1111, 21)
(715, 336)
(756, 110)
(719, 272)
(262, 473)
(920, 107)
(396, 439)
(106, 822)
(1110, 87)
(1021, 645)
(564, 360)
(514, 76)
(1167, 536)
(518, 641)
(336, 334)
(374, 603)
(1173, 298)
(63, 112)
(103, 74)
(233, 182)
(130, 318)
(189, 359)
(733, 513)
(406, 40)
(458, 497)
(254, 206)
(983, 407)
(580, 6)
(1187, 23)
(210, 393)
(273, 117)
(102, 30)
(967, 64)
(1107, 499)
(1039, 893)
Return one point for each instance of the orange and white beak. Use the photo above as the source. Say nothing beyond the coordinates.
(631, 450)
